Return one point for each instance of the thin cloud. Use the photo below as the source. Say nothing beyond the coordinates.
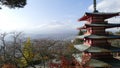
(52, 27)
(107, 6)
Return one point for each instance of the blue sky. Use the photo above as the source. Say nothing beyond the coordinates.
(49, 16)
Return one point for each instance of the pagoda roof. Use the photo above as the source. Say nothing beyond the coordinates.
(105, 15)
(94, 49)
(90, 49)
(91, 62)
(113, 61)
(98, 37)
(97, 63)
(103, 25)
(83, 27)
(113, 49)
(109, 25)
(78, 57)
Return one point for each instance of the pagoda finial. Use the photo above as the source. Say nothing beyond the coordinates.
(95, 6)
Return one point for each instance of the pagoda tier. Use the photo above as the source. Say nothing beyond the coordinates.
(97, 17)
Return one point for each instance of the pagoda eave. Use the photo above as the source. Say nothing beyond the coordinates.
(102, 38)
(95, 49)
(97, 64)
(84, 18)
(90, 49)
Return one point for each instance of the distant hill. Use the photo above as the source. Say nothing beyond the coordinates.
(55, 36)
(63, 35)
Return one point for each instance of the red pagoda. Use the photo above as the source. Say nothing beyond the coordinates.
(96, 51)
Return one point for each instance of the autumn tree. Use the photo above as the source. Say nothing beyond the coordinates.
(16, 41)
(3, 41)
(42, 49)
(10, 42)
(27, 53)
